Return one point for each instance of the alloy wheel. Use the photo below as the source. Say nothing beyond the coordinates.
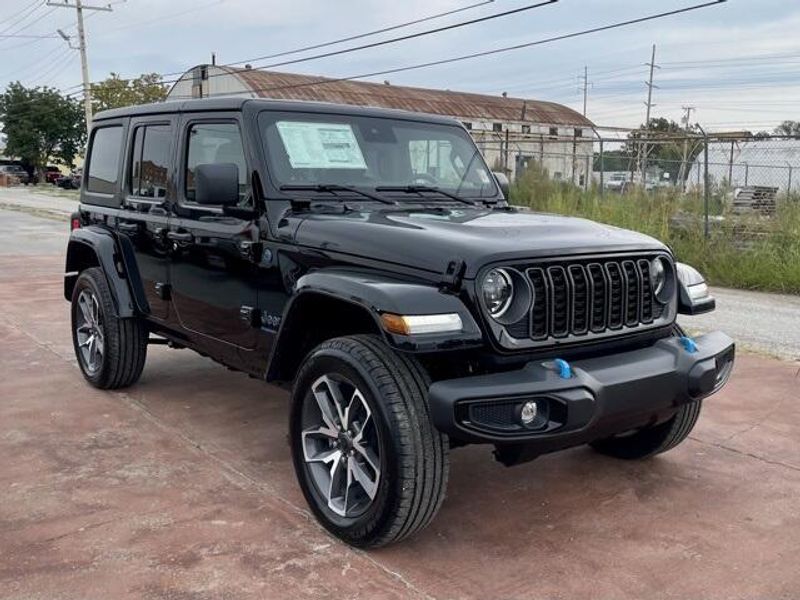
(89, 331)
(341, 446)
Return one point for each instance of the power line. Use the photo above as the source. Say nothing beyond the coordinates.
(20, 17)
(540, 42)
(410, 36)
(356, 36)
(22, 10)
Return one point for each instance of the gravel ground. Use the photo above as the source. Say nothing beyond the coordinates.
(766, 323)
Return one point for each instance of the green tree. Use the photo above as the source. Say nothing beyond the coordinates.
(666, 154)
(116, 92)
(788, 128)
(41, 125)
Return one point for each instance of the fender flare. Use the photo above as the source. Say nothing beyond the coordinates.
(373, 293)
(114, 256)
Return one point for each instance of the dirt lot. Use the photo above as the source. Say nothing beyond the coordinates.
(182, 488)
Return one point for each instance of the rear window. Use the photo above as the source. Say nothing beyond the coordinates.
(152, 148)
(104, 160)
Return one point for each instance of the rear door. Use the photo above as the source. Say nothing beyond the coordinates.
(144, 218)
(212, 271)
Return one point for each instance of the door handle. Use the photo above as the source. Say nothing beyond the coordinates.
(180, 236)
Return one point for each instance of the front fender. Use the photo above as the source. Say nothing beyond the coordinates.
(96, 246)
(382, 293)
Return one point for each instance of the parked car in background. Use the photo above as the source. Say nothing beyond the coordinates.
(16, 171)
(51, 174)
(618, 182)
(71, 181)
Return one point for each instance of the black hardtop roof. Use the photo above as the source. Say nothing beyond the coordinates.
(236, 103)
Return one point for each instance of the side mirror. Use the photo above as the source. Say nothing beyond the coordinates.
(502, 182)
(216, 184)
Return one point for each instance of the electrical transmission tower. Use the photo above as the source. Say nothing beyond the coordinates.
(643, 148)
(79, 7)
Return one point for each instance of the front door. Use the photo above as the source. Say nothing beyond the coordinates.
(149, 185)
(212, 271)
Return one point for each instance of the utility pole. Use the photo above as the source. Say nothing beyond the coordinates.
(644, 150)
(585, 87)
(686, 120)
(87, 86)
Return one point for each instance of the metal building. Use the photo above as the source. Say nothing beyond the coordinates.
(510, 131)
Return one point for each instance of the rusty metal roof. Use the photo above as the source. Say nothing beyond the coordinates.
(291, 86)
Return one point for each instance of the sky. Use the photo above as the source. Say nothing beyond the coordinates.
(736, 63)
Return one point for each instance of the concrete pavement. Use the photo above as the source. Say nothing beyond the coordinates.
(182, 487)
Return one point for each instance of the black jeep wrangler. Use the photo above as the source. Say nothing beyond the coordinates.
(368, 260)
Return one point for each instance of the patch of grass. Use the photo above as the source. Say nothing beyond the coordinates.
(743, 252)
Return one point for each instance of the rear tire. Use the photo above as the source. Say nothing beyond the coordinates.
(393, 441)
(655, 439)
(111, 352)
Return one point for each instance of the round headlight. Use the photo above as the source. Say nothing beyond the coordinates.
(658, 279)
(497, 291)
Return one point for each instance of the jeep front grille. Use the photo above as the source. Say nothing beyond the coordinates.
(587, 298)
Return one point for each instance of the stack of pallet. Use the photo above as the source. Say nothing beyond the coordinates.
(755, 199)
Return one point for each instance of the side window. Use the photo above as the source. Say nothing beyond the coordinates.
(152, 145)
(104, 160)
(215, 143)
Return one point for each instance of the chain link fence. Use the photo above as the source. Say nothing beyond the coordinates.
(722, 173)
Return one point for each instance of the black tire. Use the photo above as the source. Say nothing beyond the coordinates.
(124, 340)
(653, 440)
(413, 455)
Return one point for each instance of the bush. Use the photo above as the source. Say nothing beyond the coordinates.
(745, 252)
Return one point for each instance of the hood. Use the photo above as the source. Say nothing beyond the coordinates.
(430, 239)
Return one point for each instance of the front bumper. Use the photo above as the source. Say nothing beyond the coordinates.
(603, 396)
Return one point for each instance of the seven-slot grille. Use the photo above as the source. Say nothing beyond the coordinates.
(597, 296)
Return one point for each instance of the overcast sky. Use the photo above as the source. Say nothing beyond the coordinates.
(738, 63)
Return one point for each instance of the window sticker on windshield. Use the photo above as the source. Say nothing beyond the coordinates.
(321, 145)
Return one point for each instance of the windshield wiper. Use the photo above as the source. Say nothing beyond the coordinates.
(420, 189)
(332, 188)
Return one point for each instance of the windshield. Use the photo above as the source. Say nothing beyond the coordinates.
(370, 152)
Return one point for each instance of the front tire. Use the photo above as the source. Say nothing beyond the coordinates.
(111, 351)
(655, 439)
(369, 461)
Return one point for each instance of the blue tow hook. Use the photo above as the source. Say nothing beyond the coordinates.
(563, 368)
(688, 344)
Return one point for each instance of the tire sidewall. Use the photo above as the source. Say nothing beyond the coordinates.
(360, 530)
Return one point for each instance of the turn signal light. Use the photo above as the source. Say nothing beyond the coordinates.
(419, 324)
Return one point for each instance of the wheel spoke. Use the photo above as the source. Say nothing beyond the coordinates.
(83, 305)
(370, 486)
(316, 445)
(95, 311)
(328, 399)
(337, 490)
(93, 352)
(358, 407)
(369, 456)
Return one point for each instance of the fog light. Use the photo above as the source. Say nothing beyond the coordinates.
(528, 413)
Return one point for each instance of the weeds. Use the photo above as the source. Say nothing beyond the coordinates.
(745, 252)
